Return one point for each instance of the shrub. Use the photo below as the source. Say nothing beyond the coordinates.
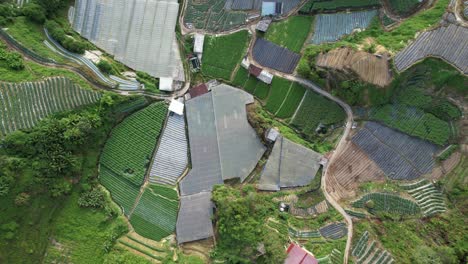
(105, 66)
(69, 43)
(22, 199)
(93, 198)
(35, 13)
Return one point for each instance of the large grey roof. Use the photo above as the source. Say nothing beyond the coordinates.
(194, 221)
(289, 165)
(222, 143)
(273, 56)
(140, 34)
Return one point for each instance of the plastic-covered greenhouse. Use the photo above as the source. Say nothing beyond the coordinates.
(140, 34)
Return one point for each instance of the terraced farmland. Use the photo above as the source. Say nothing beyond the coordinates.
(292, 101)
(271, 55)
(403, 7)
(251, 84)
(352, 168)
(123, 192)
(368, 67)
(400, 156)
(448, 43)
(366, 251)
(212, 16)
(23, 105)
(155, 215)
(140, 131)
(385, 202)
(279, 91)
(331, 27)
(222, 54)
(290, 33)
(315, 110)
(428, 197)
(413, 121)
(334, 230)
(314, 6)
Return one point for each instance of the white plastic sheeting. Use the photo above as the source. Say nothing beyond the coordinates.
(139, 33)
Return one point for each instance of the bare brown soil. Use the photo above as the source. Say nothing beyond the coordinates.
(351, 168)
(199, 248)
(445, 167)
(368, 67)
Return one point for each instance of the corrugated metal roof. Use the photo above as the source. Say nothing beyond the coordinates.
(194, 220)
(223, 145)
(198, 43)
(297, 255)
(254, 70)
(289, 165)
(198, 90)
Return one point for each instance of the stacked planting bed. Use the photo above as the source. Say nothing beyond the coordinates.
(22, 105)
(385, 202)
(449, 43)
(332, 27)
(366, 252)
(400, 156)
(427, 196)
(334, 231)
(274, 56)
(171, 157)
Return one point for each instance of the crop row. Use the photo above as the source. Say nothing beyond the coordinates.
(314, 110)
(155, 216)
(387, 203)
(222, 54)
(413, 121)
(313, 6)
(128, 150)
(428, 197)
(22, 105)
(251, 84)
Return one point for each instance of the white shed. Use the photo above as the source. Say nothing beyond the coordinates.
(165, 84)
(198, 43)
(177, 107)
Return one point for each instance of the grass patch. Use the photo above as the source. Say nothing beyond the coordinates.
(222, 54)
(32, 36)
(290, 33)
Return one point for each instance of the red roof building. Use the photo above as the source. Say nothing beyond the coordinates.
(298, 255)
(254, 70)
(198, 90)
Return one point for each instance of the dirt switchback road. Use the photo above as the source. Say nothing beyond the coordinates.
(339, 148)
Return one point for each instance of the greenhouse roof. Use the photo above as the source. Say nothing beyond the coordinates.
(223, 145)
(194, 219)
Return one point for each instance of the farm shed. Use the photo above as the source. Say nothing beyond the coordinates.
(130, 30)
(194, 220)
(177, 106)
(223, 145)
(171, 157)
(298, 255)
(165, 84)
(274, 56)
(265, 77)
(264, 24)
(400, 156)
(368, 67)
(199, 39)
(289, 165)
(254, 70)
(454, 49)
(331, 27)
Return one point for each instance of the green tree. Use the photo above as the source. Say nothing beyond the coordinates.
(22, 199)
(34, 12)
(105, 66)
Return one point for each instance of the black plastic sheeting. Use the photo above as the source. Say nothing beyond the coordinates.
(275, 57)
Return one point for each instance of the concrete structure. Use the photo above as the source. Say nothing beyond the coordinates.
(264, 24)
